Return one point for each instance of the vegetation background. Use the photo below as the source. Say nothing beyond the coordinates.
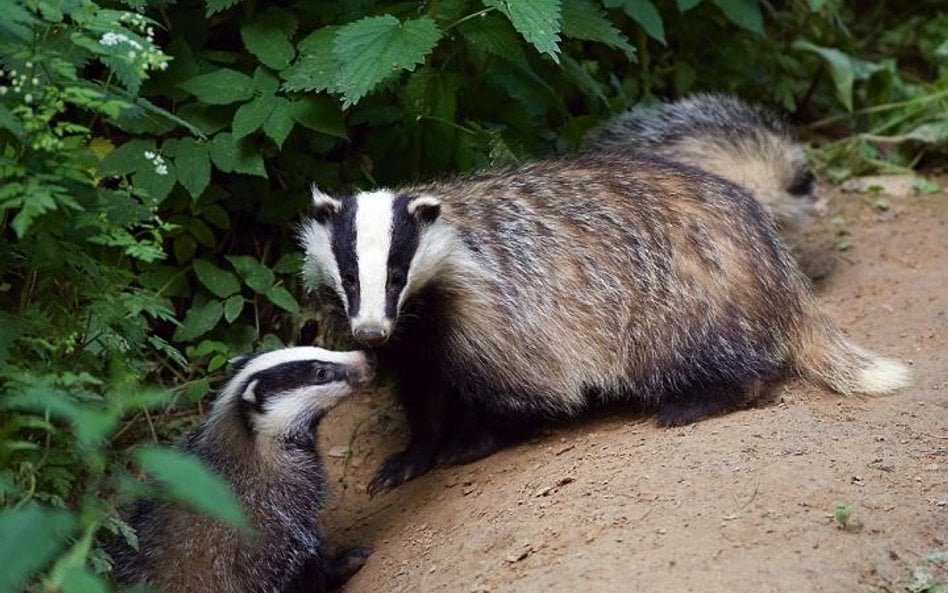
(155, 158)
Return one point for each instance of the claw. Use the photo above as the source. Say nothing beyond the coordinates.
(400, 468)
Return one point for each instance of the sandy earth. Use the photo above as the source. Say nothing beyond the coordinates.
(740, 503)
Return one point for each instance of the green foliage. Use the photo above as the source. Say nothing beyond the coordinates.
(155, 165)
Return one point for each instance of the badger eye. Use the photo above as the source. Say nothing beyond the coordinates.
(348, 279)
(321, 375)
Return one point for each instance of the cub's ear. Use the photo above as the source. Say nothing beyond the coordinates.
(238, 362)
(324, 205)
(425, 209)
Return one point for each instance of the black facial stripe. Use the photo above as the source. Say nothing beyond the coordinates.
(405, 233)
(286, 377)
(802, 184)
(344, 249)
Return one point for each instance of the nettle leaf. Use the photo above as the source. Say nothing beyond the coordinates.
(495, 35)
(267, 36)
(186, 479)
(199, 321)
(32, 536)
(538, 21)
(220, 282)
(584, 20)
(193, 166)
(280, 123)
(841, 67)
(743, 13)
(372, 49)
(644, 13)
(256, 275)
(319, 113)
(315, 69)
(213, 6)
(251, 116)
(282, 298)
(220, 87)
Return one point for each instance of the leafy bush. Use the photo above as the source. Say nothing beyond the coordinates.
(156, 157)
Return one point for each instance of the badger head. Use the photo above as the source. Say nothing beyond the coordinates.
(283, 393)
(373, 250)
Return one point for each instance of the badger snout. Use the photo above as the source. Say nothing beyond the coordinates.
(371, 334)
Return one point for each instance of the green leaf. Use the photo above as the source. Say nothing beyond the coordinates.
(189, 481)
(282, 298)
(840, 66)
(645, 14)
(372, 49)
(231, 155)
(233, 308)
(684, 5)
(537, 20)
(315, 69)
(267, 36)
(256, 275)
(251, 116)
(743, 13)
(494, 34)
(584, 20)
(289, 263)
(32, 537)
(199, 321)
(128, 158)
(83, 580)
(16, 22)
(319, 113)
(213, 6)
(220, 282)
(220, 87)
(280, 123)
(193, 166)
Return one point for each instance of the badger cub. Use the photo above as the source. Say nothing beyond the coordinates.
(507, 298)
(725, 136)
(260, 436)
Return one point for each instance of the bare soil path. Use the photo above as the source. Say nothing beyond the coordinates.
(740, 503)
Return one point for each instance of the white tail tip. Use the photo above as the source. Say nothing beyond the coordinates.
(884, 376)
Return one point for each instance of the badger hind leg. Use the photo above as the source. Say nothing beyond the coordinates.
(691, 405)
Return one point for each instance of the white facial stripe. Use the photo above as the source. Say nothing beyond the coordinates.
(322, 200)
(422, 201)
(284, 412)
(319, 266)
(249, 393)
(373, 223)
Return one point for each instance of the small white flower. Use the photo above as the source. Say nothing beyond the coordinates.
(161, 169)
(150, 155)
(28, 98)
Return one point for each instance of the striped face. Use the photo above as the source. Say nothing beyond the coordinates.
(281, 393)
(373, 249)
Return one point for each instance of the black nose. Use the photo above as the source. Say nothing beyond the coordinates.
(371, 335)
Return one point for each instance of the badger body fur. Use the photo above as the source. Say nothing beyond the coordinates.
(516, 296)
(725, 136)
(260, 437)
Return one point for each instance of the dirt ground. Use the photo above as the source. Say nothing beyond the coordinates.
(739, 503)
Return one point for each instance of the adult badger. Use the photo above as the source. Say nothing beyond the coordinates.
(519, 295)
(725, 136)
(260, 436)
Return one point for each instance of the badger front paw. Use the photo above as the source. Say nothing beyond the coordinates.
(401, 467)
(345, 564)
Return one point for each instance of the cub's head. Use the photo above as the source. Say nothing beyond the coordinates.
(283, 393)
(373, 250)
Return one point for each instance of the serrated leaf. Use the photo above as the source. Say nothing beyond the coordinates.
(495, 35)
(251, 116)
(841, 68)
(186, 479)
(743, 13)
(280, 123)
(213, 6)
(220, 282)
(584, 20)
(539, 22)
(319, 113)
(193, 166)
(255, 275)
(268, 38)
(315, 68)
(646, 14)
(199, 321)
(32, 536)
(282, 298)
(372, 49)
(17, 21)
(233, 308)
(220, 87)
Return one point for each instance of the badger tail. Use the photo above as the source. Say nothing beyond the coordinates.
(822, 354)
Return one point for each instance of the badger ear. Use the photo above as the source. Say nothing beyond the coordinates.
(324, 205)
(249, 394)
(425, 209)
(239, 362)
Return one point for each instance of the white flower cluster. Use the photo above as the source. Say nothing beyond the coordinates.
(161, 168)
(20, 82)
(143, 56)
